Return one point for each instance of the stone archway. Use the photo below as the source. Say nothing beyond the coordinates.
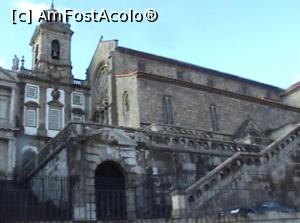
(110, 191)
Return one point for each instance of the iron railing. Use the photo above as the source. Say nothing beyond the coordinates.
(24, 201)
(249, 200)
(49, 198)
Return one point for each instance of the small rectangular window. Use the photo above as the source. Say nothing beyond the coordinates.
(167, 110)
(77, 99)
(179, 75)
(214, 118)
(3, 109)
(30, 118)
(32, 92)
(54, 119)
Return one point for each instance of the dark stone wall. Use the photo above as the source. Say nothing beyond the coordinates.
(191, 108)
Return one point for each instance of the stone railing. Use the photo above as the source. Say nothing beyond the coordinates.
(204, 189)
(47, 152)
(197, 144)
(177, 130)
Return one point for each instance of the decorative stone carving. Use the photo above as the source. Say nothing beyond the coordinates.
(54, 73)
(55, 94)
(250, 133)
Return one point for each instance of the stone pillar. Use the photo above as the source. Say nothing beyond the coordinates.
(42, 112)
(11, 155)
(131, 206)
(83, 202)
(12, 115)
(179, 206)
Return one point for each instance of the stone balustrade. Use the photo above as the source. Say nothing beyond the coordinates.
(197, 144)
(177, 130)
(198, 193)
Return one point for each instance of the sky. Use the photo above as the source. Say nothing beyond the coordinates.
(255, 39)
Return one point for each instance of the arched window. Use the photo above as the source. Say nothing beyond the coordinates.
(36, 52)
(167, 110)
(28, 154)
(125, 104)
(55, 48)
(214, 118)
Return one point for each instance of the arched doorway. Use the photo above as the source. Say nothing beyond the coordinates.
(110, 192)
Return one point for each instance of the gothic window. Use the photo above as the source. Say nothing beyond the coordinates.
(55, 49)
(77, 99)
(32, 92)
(167, 110)
(180, 75)
(55, 118)
(214, 118)
(125, 104)
(210, 83)
(141, 67)
(31, 117)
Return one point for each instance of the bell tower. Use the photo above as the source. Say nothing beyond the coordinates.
(51, 49)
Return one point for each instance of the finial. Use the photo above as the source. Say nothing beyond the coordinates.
(52, 5)
(101, 38)
(22, 62)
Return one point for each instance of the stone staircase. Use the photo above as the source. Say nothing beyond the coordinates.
(229, 174)
(50, 150)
